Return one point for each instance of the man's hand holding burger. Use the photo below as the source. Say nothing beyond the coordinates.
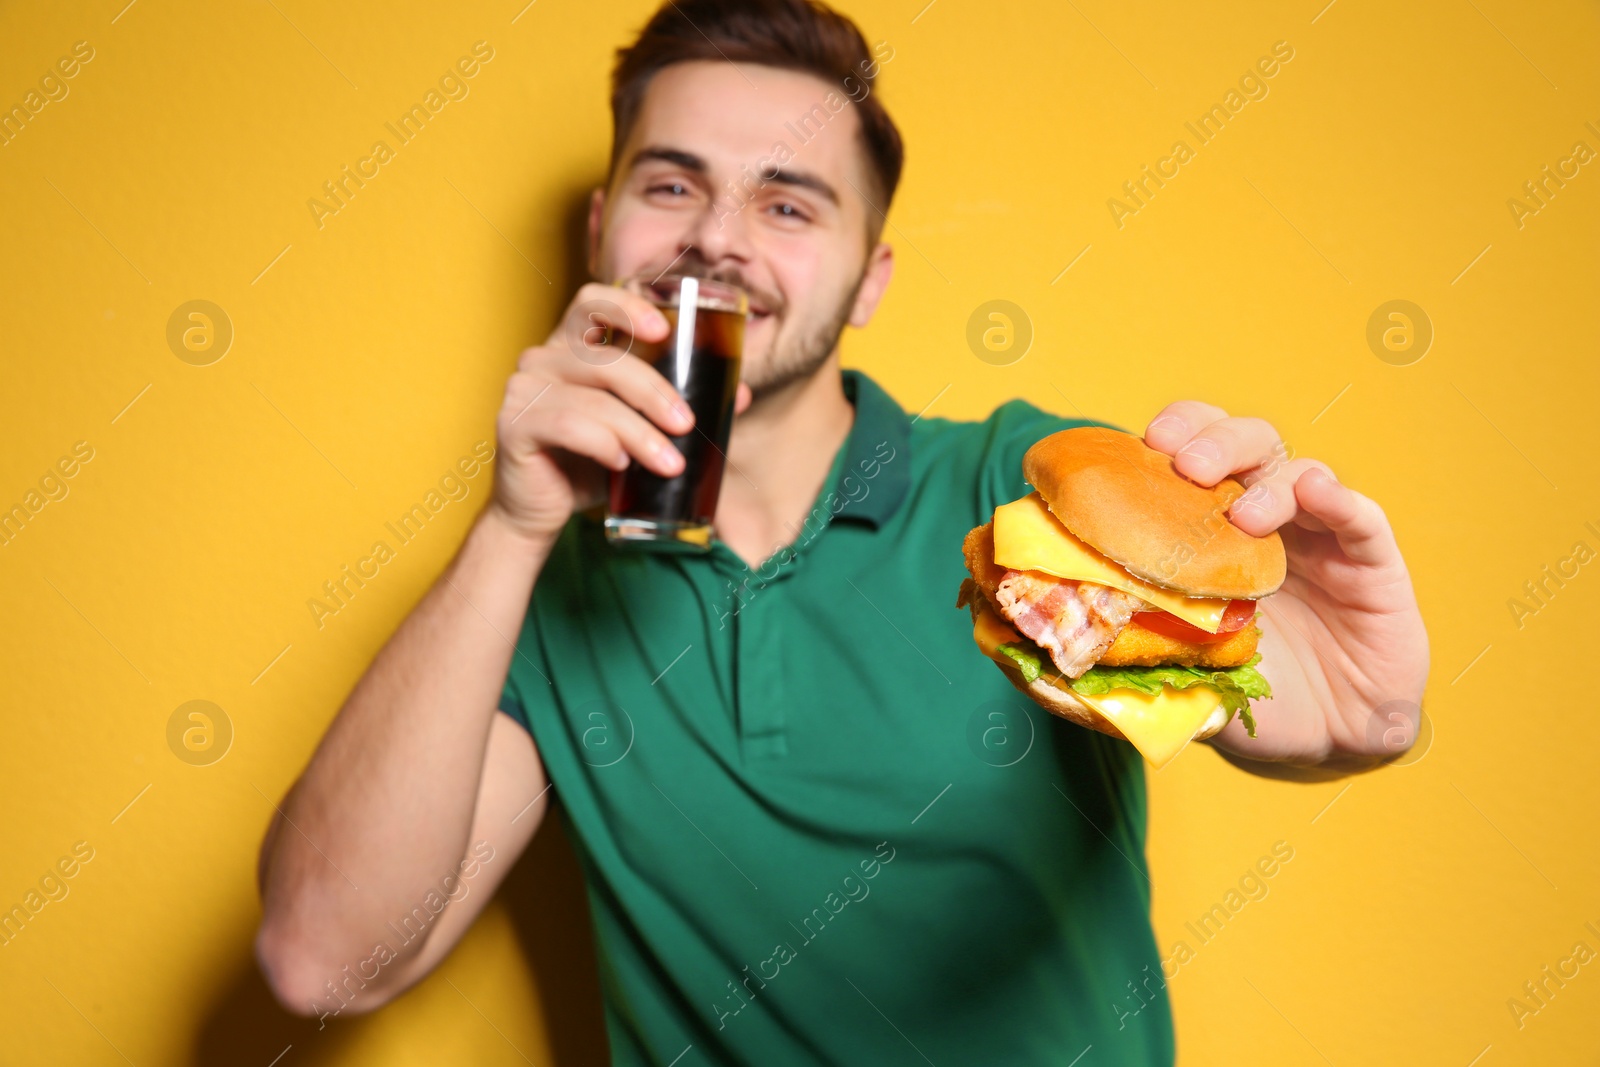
(580, 406)
(1143, 591)
(1343, 642)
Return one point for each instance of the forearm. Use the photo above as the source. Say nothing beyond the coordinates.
(384, 809)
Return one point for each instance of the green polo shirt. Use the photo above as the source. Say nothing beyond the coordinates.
(817, 826)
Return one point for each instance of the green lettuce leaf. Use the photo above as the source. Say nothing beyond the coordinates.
(1236, 684)
(1027, 662)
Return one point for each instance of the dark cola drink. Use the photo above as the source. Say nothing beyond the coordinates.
(701, 358)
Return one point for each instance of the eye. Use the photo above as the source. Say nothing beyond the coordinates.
(674, 188)
(786, 210)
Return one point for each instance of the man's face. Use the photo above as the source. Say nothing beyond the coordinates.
(745, 171)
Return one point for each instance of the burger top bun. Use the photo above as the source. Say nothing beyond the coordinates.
(1062, 702)
(1125, 500)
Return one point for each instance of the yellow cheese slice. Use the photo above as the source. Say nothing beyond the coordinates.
(1158, 725)
(990, 632)
(1028, 538)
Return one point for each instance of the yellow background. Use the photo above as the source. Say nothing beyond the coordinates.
(372, 353)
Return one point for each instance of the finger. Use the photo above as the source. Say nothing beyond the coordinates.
(1226, 447)
(742, 398)
(1269, 502)
(514, 429)
(1179, 421)
(647, 391)
(639, 437)
(1358, 522)
(574, 431)
(635, 381)
(535, 416)
(596, 307)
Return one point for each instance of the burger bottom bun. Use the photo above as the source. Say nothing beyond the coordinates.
(1061, 702)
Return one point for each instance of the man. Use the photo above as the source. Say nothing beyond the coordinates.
(793, 855)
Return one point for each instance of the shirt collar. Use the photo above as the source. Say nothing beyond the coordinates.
(872, 472)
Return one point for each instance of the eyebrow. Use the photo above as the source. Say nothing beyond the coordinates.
(804, 180)
(696, 165)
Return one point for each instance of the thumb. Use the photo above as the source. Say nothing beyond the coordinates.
(742, 398)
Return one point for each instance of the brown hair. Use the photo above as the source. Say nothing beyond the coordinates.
(801, 35)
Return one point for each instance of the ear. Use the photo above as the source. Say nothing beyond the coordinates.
(597, 212)
(874, 281)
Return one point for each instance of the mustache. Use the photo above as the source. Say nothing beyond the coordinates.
(694, 264)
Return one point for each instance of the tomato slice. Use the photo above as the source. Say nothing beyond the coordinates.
(1238, 615)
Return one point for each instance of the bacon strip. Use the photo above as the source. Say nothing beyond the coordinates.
(1073, 621)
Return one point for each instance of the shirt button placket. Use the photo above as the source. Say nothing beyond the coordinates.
(762, 686)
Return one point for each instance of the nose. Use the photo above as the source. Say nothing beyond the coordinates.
(721, 232)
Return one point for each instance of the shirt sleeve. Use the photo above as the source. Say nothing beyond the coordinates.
(527, 692)
(511, 701)
(1011, 431)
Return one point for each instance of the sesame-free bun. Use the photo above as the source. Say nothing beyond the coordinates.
(1124, 499)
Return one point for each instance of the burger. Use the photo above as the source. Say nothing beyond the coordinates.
(1119, 595)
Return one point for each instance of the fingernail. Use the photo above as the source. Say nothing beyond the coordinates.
(1169, 422)
(1202, 448)
(621, 461)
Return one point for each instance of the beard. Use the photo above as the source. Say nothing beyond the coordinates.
(796, 358)
(799, 348)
